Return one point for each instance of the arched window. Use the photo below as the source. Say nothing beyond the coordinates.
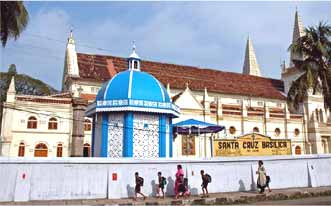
(277, 132)
(256, 130)
(87, 125)
(32, 123)
(41, 150)
(317, 115)
(232, 130)
(87, 150)
(59, 150)
(298, 150)
(321, 116)
(21, 150)
(296, 132)
(52, 123)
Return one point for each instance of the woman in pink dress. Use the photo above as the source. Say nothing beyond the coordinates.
(179, 175)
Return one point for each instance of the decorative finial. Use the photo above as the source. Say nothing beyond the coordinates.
(71, 30)
(134, 46)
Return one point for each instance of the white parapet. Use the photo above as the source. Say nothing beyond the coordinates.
(24, 179)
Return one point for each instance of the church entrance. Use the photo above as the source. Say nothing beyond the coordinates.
(41, 150)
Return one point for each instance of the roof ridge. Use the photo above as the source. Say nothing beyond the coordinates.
(182, 65)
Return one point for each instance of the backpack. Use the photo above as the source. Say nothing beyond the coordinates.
(164, 180)
(141, 181)
(208, 178)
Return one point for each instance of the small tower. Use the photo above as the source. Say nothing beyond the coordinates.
(70, 63)
(134, 59)
(298, 31)
(11, 92)
(251, 66)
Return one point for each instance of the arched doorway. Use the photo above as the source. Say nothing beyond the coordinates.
(41, 150)
(87, 150)
(298, 150)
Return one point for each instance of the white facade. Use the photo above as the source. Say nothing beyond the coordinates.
(37, 126)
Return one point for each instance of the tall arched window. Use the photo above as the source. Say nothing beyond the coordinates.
(52, 123)
(41, 150)
(87, 125)
(32, 123)
(321, 115)
(21, 150)
(256, 130)
(87, 150)
(317, 115)
(59, 150)
(298, 150)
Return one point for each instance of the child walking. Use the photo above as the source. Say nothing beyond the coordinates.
(160, 186)
(139, 184)
(205, 180)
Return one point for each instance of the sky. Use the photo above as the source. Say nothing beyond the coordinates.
(204, 34)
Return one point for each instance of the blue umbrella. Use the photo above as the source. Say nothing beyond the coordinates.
(193, 126)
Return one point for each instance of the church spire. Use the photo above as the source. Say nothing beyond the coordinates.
(11, 92)
(71, 57)
(251, 66)
(298, 32)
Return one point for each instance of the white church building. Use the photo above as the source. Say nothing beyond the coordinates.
(243, 103)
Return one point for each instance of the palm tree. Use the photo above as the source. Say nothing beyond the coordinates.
(315, 47)
(14, 18)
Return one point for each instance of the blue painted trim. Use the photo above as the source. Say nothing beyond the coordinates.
(104, 135)
(128, 135)
(170, 136)
(93, 135)
(162, 136)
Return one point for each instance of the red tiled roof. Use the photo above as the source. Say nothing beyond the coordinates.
(88, 97)
(46, 99)
(99, 68)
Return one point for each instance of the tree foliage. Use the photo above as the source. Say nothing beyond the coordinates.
(14, 19)
(315, 46)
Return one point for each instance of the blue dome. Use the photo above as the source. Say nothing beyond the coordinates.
(136, 85)
(133, 90)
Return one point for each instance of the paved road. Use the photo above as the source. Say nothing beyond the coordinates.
(324, 200)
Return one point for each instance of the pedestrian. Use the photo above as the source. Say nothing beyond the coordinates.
(206, 178)
(139, 184)
(162, 182)
(262, 178)
(179, 179)
(180, 186)
(187, 192)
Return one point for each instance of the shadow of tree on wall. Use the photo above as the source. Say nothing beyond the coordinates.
(253, 184)
(153, 184)
(170, 187)
(130, 190)
(242, 187)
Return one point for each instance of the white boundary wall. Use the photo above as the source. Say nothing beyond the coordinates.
(24, 179)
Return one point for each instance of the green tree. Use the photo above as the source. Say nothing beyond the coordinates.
(315, 46)
(14, 19)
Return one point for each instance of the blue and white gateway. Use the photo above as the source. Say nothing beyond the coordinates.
(132, 116)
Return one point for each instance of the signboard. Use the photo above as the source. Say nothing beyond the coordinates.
(252, 145)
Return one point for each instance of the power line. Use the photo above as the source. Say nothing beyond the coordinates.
(77, 42)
